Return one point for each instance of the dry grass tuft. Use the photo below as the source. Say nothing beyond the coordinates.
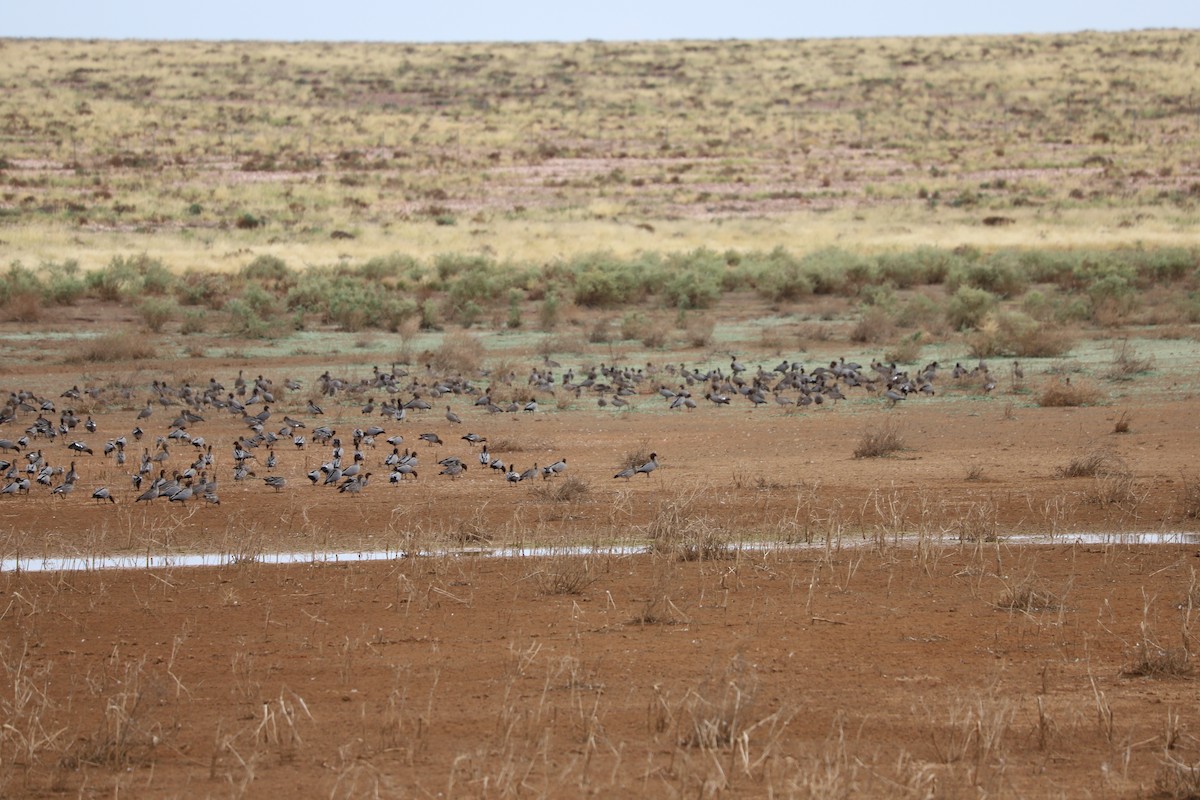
(1114, 480)
(635, 458)
(1177, 780)
(879, 441)
(1151, 661)
(678, 531)
(1097, 461)
(698, 332)
(1122, 423)
(719, 713)
(459, 353)
(110, 347)
(659, 609)
(1064, 394)
(1027, 594)
(1127, 363)
(1189, 498)
(23, 307)
(572, 489)
(128, 735)
(567, 575)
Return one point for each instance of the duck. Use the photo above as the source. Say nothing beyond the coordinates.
(649, 466)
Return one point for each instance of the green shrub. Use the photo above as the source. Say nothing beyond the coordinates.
(602, 281)
(514, 309)
(244, 321)
(156, 278)
(193, 322)
(1001, 274)
(396, 311)
(472, 288)
(548, 313)
(431, 317)
(202, 289)
(259, 300)
(967, 307)
(390, 267)
(694, 281)
(879, 294)
(633, 325)
(924, 266)
(1164, 264)
(778, 276)
(1047, 266)
(19, 281)
(156, 312)
(126, 277)
(453, 265)
(266, 268)
(63, 284)
(828, 269)
(355, 305)
(1112, 293)
(310, 293)
(468, 314)
(919, 311)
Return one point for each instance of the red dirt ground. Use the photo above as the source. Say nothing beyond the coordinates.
(917, 651)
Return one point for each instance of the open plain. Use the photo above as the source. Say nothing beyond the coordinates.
(903, 342)
(764, 613)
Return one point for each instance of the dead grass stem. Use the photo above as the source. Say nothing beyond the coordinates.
(879, 441)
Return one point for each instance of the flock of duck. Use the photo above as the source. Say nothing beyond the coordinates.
(166, 428)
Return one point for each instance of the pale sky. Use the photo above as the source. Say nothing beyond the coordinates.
(543, 20)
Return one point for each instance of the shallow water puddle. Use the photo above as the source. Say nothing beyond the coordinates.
(180, 560)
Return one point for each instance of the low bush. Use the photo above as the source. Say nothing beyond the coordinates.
(1097, 461)
(1001, 275)
(1013, 333)
(194, 321)
(696, 279)
(968, 306)
(63, 283)
(1064, 394)
(110, 347)
(873, 327)
(459, 353)
(17, 282)
(156, 312)
(923, 266)
(266, 268)
(22, 307)
(244, 321)
(129, 277)
(778, 276)
(197, 288)
(603, 281)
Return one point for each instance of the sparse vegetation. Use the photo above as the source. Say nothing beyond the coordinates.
(1065, 394)
(1026, 594)
(879, 441)
(763, 616)
(1096, 461)
(111, 347)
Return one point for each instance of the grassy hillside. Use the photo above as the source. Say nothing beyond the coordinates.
(208, 155)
